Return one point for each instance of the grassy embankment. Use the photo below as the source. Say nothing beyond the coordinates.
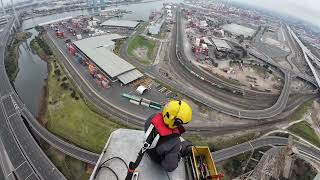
(138, 43)
(301, 111)
(305, 131)
(12, 55)
(71, 168)
(69, 117)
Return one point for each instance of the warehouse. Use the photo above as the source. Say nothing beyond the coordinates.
(120, 24)
(221, 44)
(99, 50)
(238, 30)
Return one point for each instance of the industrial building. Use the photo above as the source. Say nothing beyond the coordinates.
(221, 44)
(154, 29)
(121, 24)
(98, 49)
(238, 30)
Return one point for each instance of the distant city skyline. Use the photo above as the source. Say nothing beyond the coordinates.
(307, 10)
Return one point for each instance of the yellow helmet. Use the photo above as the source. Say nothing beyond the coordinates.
(176, 113)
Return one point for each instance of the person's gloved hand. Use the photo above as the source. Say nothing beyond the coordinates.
(186, 148)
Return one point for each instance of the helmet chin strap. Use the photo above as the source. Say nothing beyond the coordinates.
(177, 121)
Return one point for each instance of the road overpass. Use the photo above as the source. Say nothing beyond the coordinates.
(304, 150)
(25, 158)
(307, 55)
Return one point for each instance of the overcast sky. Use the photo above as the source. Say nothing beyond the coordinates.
(308, 10)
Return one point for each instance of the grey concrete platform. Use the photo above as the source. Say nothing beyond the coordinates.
(126, 144)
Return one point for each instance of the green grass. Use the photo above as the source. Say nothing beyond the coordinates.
(71, 168)
(232, 167)
(301, 111)
(142, 42)
(68, 115)
(305, 131)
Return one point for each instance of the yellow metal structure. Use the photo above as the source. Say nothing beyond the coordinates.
(204, 151)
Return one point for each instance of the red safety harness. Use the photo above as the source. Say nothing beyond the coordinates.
(162, 128)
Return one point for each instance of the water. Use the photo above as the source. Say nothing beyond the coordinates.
(30, 80)
(33, 71)
(143, 11)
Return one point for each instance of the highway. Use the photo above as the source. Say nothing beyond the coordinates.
(26, 157)
(233, 151)
(307, 55)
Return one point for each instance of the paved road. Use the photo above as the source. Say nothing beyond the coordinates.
(227, 153)
(26, 157)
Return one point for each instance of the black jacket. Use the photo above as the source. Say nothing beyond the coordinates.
(167, 151)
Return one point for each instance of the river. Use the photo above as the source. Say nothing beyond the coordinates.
(33, 72)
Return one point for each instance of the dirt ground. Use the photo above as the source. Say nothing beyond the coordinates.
(272, 42)
(251, 77)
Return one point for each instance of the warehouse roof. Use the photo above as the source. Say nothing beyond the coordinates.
(126, 143)
(55, 21)
(221, 44)
(99, 50)
(120, 23)
(130, 76)
(238, 29)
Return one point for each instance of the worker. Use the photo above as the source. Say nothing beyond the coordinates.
(169, 125)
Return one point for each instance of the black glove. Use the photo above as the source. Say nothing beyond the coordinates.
(186, 148)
